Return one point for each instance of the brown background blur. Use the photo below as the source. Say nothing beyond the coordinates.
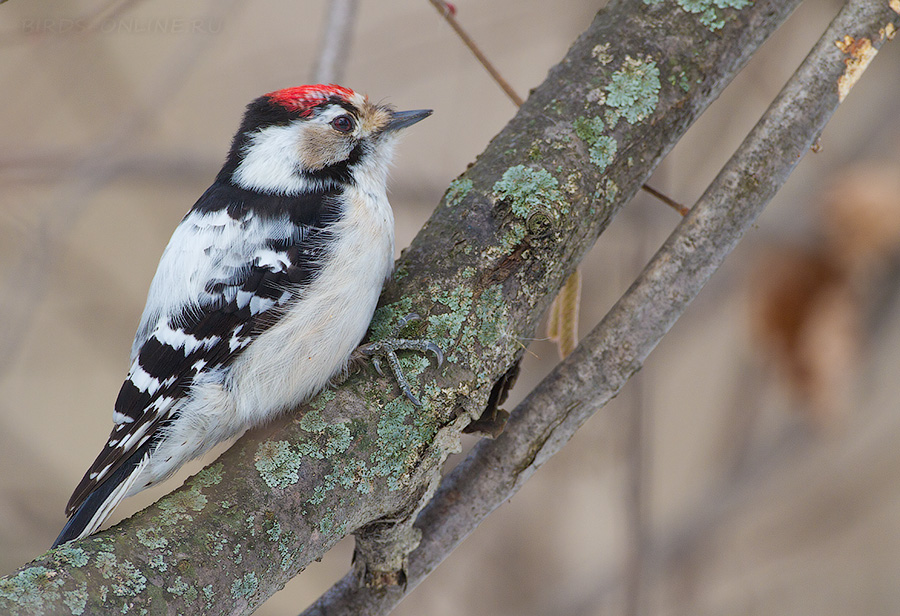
(771, 425)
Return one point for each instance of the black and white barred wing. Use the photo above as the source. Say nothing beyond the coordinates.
(221, 282)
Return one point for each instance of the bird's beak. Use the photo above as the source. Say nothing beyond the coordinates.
(402, 119)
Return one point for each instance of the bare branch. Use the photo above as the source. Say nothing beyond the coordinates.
(584, 382)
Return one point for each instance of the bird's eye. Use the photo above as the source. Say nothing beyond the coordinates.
(342, 124)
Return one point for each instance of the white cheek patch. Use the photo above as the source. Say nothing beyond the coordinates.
(271, 162)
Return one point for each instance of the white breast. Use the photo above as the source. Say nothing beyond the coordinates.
(297, 356)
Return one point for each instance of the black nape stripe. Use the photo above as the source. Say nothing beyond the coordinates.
(313, 209)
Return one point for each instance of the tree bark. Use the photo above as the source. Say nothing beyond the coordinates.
(586, 380)
(481, 272)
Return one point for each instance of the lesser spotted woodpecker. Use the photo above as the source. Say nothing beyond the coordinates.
(265, 289)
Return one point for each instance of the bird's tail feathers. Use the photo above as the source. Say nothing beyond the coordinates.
(100, 503)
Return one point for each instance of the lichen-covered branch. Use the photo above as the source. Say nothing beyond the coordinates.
(584, 382)
(481, 272)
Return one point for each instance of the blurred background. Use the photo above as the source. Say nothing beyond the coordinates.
(750, 468)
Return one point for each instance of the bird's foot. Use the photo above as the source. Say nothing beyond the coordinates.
(387, 349)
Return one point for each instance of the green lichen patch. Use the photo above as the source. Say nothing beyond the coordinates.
(67, 555)
(633, 91)
(330, 439)
(210, 476)
(152, 538)
(283, 540)
(177, 507)
(312, 422)
(573, 183)
(386, 317)
(535, 200)
(76, 600)
(182, 589)
(285, 547)
(345, 475)
(611, 191)
(158, 562)
(325, 525)
(277, 464)
(243, 588)
(215, 542)
(603, 151)
(444, 328)
(709, 12)
(601, 147)
(27, 590)
(491, 313)
(125, 579)
(680, 80)
(413, 365)
(457, 191)
(588, 129)
(348, 473)
(210, 595)
(274, 530)
(321, 401)
(526, 189)
(403, 432)
(179, 503)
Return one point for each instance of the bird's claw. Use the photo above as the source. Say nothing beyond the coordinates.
(387, 349)
(376, 362)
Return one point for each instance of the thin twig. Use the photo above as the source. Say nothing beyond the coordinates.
(667, 200)
(334, 48)
(449, 14)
